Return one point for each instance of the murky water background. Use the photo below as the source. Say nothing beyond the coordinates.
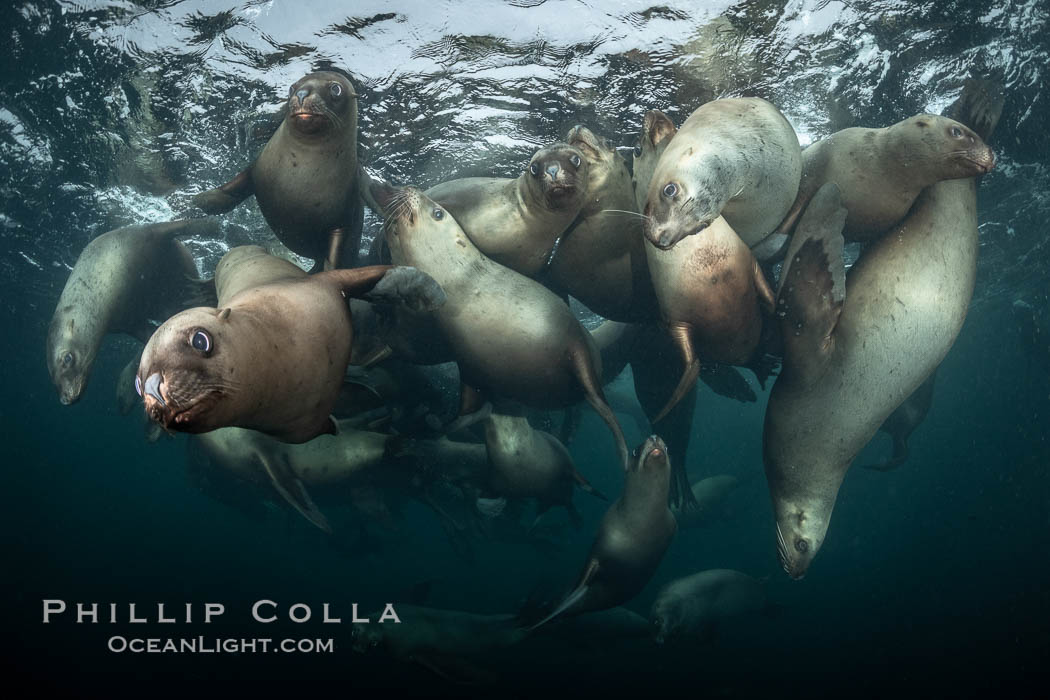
(115, 112)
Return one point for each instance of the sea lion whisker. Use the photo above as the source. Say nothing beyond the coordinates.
(625, 211)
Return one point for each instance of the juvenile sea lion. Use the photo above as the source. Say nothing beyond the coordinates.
(306, 178)
(712, 293)
(529, 463)
(631, 541)
(601, 257)
(270, 358)
(880, 172)
(856, 348)
(736, 158)
(903, 422)
(517, 222)
(513, 338)
(122, 280)
(694, 606)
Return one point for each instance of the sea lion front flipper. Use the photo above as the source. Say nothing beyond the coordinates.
(225, 197)
(726, 380)
(680, 334)
(813, 287)
(592, 391)
(293, 491)
(335, 246)
(900, 456)
(127, 397)
(408, 287)
(574, 596)
(356, 282)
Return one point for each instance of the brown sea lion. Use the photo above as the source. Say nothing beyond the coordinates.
(529, 463)
(517, 222)
(880, 172)
(856, 348)
(737, 158)
(601, 257)
(712, 293)
(513, 337)
(631, 540)
(306, 178)
(270, 358)
(122, 280)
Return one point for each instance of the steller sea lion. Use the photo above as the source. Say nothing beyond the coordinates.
(306, 179)
(517, 222)
(270, 358)
(857, 346)
(631, 541)
(694, 606)
(601, 257)
(737, 158)
(710, 494)
(122, 280)
(513, 338)
(880, 172)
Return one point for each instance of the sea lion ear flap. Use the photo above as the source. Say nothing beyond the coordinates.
(813, 285)
(223, 314)
(658, 126)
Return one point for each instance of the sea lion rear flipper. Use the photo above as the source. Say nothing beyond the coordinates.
(408, 287)
(813, 287)
(680, 335)
(592, 390)
(225, 197)
(293, 491)
(584, 485)
(727, 381)
(574, 596)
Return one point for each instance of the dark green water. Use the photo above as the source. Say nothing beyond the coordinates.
(933, 578)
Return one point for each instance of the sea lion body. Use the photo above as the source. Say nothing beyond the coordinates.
(880, 172)
(850, 362)
(737, 158)
(122, 280)
(270, 358)
(695, 605)
(517, 222)
(513, 337)
(631, 541)
(306, 178)
(601, 257)
(710, 494)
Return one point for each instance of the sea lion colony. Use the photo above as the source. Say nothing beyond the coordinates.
(676, 251)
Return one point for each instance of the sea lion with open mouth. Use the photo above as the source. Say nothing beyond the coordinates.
(306, 179)
(271, 357)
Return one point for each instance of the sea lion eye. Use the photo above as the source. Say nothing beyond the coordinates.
(67, 360)
(336, 89)
(575, 160)
(438, 213)
(802, 546)
(534, 168)
(956, 132)
(201, 342)
(670, 190)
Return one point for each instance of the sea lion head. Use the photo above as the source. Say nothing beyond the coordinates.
(366, 637)
(604, 162)
(321, 102)
(801, 525)
(943, 147)
(69, 357)
(651, 456)
(684, 199)
(417, 228)
(557, 176)
(185, 376)
(665, 618)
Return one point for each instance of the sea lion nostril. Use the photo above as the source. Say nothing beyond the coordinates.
(302, 94)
